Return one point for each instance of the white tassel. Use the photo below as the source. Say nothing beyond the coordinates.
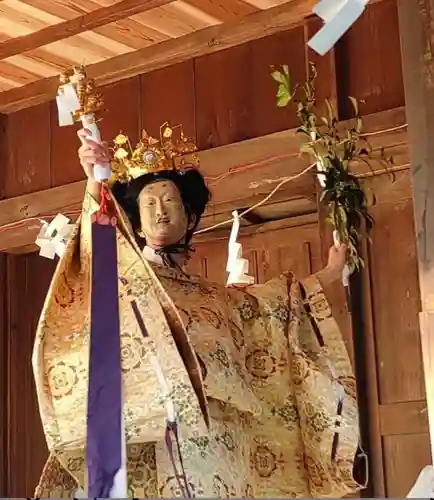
(53, 237)
(338, 16)
(237, 266)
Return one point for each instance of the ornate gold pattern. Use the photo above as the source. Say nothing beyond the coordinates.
(270, 405)
(90, 99)
(152, 155)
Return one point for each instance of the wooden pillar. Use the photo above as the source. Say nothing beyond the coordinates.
(416, 25)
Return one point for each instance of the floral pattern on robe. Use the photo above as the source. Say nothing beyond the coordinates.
(250, 372)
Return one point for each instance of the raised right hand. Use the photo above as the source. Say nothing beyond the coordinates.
(91, 153)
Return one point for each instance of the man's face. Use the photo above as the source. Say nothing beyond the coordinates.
(162, 214)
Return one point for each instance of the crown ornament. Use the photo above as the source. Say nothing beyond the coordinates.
(152, 155)
(89, 99)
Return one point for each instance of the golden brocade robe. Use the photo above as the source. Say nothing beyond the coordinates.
(255, 395)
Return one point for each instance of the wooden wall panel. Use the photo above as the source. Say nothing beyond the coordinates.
(28, 143)
(223, 102)
(220, 98)
(265, 117)
(396, 299)
(326, 85)
(25, 449)
(396, 389)
(168, 95)
(278, 247)
(368, 61)
(3, 378)
(405, 455)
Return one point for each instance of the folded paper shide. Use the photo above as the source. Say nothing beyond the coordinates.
(338, 16)
(54, 236)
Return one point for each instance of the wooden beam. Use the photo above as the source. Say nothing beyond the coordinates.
(416, 19)
(80, 24)
(270, 158)
(168, 53)
(252, 217)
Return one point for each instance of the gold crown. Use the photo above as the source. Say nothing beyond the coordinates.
(152, 155)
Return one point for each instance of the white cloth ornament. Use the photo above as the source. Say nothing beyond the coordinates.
(54, 236)
(338, 16)
(237, 266)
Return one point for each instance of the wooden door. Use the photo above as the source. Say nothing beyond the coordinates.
(397, 411)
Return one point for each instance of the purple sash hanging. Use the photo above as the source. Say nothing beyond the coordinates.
(104, 412)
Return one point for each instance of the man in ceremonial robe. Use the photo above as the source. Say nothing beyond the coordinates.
(260, 375)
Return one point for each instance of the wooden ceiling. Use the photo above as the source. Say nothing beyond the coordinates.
(40, 38)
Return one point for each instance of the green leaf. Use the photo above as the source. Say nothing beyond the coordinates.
(355, 104)
(278, 76)
(283, 100)
(307, 148)
(330, 110)
(285, 69)
(283, 96)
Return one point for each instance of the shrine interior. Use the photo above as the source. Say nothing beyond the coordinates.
(207, 65)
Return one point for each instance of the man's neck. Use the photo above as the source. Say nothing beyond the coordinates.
(152, 256)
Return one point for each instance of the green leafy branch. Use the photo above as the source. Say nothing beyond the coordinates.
(333, 150)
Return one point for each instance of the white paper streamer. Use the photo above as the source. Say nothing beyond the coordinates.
(338, 16)
(237, 266)
(54, 236)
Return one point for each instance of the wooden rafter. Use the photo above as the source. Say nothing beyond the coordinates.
(205, 41)
(80, 24)
(227, 10)
(250, 187)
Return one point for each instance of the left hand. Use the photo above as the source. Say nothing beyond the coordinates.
(337, 260)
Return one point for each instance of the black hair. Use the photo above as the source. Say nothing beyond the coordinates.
(191, 185)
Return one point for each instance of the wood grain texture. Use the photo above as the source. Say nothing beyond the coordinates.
(224, 10)
(80, 24)
(399, 359)
(28, 276)
(4, 369)
(242, 189)
(168, 95)
(205, 41)
(28, 141)
(125, 31)
(265, 54)
(375, 80)
(415, 26)
(405, 456)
